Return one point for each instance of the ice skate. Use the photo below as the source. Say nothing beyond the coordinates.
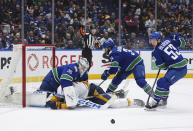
(139, 102)
(152, 105)
(121, 93)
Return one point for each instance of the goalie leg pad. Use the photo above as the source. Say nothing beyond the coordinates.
(56, 105)
(37, 99)
(121, 103)
(95, 90)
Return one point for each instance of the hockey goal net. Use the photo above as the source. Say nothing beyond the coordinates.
(28, 66)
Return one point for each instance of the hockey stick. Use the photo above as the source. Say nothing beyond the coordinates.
(147, 103)
(101, 82)
(126, 85)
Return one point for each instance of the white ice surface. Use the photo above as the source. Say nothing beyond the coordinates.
(178, 116)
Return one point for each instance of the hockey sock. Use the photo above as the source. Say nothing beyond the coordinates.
(147, 89)
(111, 88)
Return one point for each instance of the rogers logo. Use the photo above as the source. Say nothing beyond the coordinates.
(32, 62)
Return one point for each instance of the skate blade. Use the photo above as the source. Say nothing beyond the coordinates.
(148, 109)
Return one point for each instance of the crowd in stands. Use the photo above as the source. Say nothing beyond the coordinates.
(137, 22)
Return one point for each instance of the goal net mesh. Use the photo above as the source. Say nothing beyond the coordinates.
(28, 66)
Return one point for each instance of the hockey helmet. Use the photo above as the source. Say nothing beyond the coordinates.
(155, 35)
(108, 43)
(83, 65)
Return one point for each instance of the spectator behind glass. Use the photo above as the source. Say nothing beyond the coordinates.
(130, 22)
(104, 38)
(70, 45)
(16, 14)
(66, 39)
(48, 39)
(7, 40)
(30, 38)
(42, 31)
(150, 25)
(132, 41)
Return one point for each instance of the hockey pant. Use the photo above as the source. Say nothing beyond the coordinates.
(49, 83)
(139, 75)
(163, 84)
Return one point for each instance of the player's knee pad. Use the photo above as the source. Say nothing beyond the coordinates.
(163, 84)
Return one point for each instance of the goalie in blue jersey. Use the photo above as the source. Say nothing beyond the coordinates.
(124, 62)
(64, 76)
(166, 56)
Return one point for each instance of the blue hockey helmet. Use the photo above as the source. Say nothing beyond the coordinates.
(108, 43)
(155, 35)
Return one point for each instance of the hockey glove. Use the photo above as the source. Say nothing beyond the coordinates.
(105, 75)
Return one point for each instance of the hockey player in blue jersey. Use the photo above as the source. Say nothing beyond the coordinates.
(167, 56)
(124, 62)
(64, 76)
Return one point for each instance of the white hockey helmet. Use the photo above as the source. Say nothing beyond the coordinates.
(83, 65)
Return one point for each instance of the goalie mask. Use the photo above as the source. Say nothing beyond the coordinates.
(83, 66)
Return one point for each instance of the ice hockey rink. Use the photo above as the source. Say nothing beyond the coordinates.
(178, 116)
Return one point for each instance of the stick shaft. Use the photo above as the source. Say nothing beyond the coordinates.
(147, 103)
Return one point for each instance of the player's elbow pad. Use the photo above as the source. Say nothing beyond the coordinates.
(70, 96)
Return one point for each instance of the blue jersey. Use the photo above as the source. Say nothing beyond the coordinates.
(123, 59)
(166, 54)
(64, 76)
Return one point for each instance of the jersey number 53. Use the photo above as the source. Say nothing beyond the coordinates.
(172, 51)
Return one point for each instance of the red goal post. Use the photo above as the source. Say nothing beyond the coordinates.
(24, 65)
